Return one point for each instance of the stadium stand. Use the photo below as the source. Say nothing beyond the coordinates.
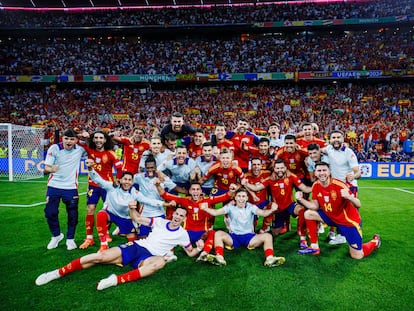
(376, 114)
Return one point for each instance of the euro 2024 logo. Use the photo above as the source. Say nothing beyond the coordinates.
(365, 169)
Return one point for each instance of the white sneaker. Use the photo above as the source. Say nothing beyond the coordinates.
(171, 258)
(116, 231)
(273, 261)
(339, 239)
(108, 282)
(54, 241)
(331, 235)
(321, 228)
(219, 260)
(70, 244)
(47, 277)
(202, 257)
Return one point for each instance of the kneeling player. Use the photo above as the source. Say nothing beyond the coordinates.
(333, 203)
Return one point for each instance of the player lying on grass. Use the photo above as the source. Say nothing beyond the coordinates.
(146, 256)
(115, 209)
(334, 204)
(241, 226)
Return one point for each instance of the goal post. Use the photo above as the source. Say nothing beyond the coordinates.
(21, 154)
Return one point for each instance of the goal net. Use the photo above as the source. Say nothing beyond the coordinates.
(21, 154)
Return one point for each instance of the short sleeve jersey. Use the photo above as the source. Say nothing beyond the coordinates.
(224, 176)
(68, 161)
(255, 180)
(162, 239)
(132, 154)
(197, 219)
(281, 190)
(104, 163)
(241, 219)
(295, 162)
(338, 209)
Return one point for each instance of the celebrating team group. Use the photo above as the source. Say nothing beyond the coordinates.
(168, 191)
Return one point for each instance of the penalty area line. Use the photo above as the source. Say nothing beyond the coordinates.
(29, 205)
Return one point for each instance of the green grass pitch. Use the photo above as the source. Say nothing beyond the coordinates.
(331, 281)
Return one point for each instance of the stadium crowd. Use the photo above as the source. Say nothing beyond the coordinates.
(387, 50)
(376, 118)
(209, 15)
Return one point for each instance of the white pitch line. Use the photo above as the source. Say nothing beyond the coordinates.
(29, 205)
(402, 190)
(22, 205)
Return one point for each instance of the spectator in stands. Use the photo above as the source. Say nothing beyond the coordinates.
(183, 16)
(355, 120)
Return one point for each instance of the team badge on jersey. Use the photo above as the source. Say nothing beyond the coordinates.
(125, 245)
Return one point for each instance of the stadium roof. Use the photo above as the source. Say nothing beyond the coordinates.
(94, 4)
(113, 3)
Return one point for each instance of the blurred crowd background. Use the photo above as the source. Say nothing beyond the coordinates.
(376, 115)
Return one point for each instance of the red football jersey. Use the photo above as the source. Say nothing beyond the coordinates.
(194, 151)
(197, 219)
(225, 144)
(295, 162)
(305, 143)
(281, 190)
(254, 180)
(340, 210)
(132, 154)
(224, 176)
(266, 159)
(240, 154)
(104, 163)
